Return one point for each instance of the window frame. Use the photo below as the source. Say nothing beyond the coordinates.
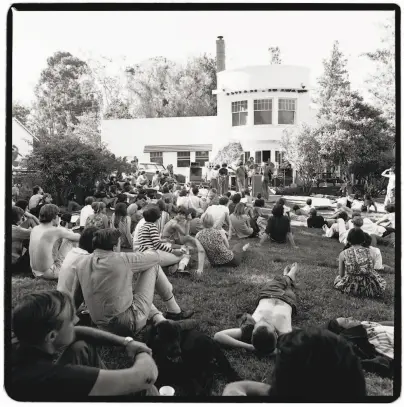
(236, 111)
(294, 100)
(157, 157)
(258, 103)
(182, 157)
(203, 159)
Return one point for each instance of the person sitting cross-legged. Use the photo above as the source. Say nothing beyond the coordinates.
(356, 269)
(178, 227)
(314, 220)
(278, 228)
(20, 236)
(30, 220)
(105, 280)
(45, 262)
(216, 245)
(44, 324)
(272, 317)
(312, 364)
(243, 225)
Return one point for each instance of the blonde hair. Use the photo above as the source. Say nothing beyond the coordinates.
(208, 221)
(239, 209)
(98, 207)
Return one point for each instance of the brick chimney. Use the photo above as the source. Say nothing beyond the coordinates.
(220, 55)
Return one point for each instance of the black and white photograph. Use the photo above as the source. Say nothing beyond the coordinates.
(200, 202)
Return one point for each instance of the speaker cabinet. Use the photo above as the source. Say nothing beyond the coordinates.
(256, 183)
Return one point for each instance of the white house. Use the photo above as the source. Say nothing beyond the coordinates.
(255, 105)
(22, 140)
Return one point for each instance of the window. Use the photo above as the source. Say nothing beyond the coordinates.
(258, 157)
(278, 157)
(286, 111)
(239, 113)
(246, 156)
(201, 157)
(156, 157)
(263, 111)
(183, 159)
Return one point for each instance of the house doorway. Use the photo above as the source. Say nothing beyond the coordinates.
(266, 156)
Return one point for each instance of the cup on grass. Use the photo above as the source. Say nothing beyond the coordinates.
(166, 391)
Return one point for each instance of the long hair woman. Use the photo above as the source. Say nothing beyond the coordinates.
(122, 222)
(98, 219)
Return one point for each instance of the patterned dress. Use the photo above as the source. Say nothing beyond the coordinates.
(360, 277)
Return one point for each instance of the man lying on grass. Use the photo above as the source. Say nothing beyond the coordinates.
(43, 323)
(272, 317)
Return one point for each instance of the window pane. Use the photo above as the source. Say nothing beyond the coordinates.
(235, 119)
(201, 154)
(183, 163)
(263, 117)
(184, 154)
(158, 160)
(258, 157)
(243, 118)
(285, 117)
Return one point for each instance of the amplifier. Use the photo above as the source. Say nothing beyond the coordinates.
(256, 183)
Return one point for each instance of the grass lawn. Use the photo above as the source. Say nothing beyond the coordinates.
(224, 293)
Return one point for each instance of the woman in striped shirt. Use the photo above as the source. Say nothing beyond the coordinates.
(149, 239)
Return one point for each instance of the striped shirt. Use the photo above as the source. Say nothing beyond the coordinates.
(149, 238)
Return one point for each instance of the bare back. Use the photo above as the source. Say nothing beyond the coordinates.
(43, 238)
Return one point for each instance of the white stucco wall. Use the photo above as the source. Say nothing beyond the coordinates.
(21, 138)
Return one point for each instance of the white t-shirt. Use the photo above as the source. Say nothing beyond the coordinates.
(218, 212)
(85, 213)
(306, 208)
(376, 256)
(371, 228)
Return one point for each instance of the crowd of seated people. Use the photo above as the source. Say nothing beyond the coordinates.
(114, 267)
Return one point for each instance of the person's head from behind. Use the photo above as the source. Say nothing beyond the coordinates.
(264, 338)
(223, 200)
(343, 215)
(121, 198)
(259, 196)
(357, 221)
(390, 208)
(49, 213)
(195, 191)
(37, 190)
(277, 211)
(86, 239)
(21, 203)
(259, 203)
(393, 169)
(296, 209)
(208, 221)
(121, 210)
(308, 202)
(247, 192)
(127, 188)
(356, 237)
(151, 213)
(313, 212)
(228, 194)
(224, 165)
(161, 205)
(239, 209)
(236, 198)
(17, 215)
(99, 207)
(193, 213)
(45, 319)
(316, 364)
(281, 201)
(65, 220)
(107, 239)
(166, 190)
(89, 200)
(183, 192)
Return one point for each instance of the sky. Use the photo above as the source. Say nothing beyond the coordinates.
(304, 37)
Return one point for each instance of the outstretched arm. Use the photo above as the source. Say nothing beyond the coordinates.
(231, 338)
(67, 234)
(246, 388)
(384, 173)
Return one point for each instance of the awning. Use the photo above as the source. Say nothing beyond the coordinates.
(173, 148)
(258, 145)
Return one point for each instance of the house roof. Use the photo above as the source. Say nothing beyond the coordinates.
(177, 147)
(30, 133)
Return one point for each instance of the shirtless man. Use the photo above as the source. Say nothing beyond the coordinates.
(43, 238)
(271, 318)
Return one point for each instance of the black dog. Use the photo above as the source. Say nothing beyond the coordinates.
(186, 358)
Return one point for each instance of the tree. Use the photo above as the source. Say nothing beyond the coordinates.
(301, 146)
(353, 132)
(334, 79)
(161, 88)
(118, 109)
(88, 129)
(71, 163)
(275, 53)
(382, 84)
(65, 92)
(229, 153)
(21, 112)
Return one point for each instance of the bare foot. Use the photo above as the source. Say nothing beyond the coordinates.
(286, 270)
(246, 246)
